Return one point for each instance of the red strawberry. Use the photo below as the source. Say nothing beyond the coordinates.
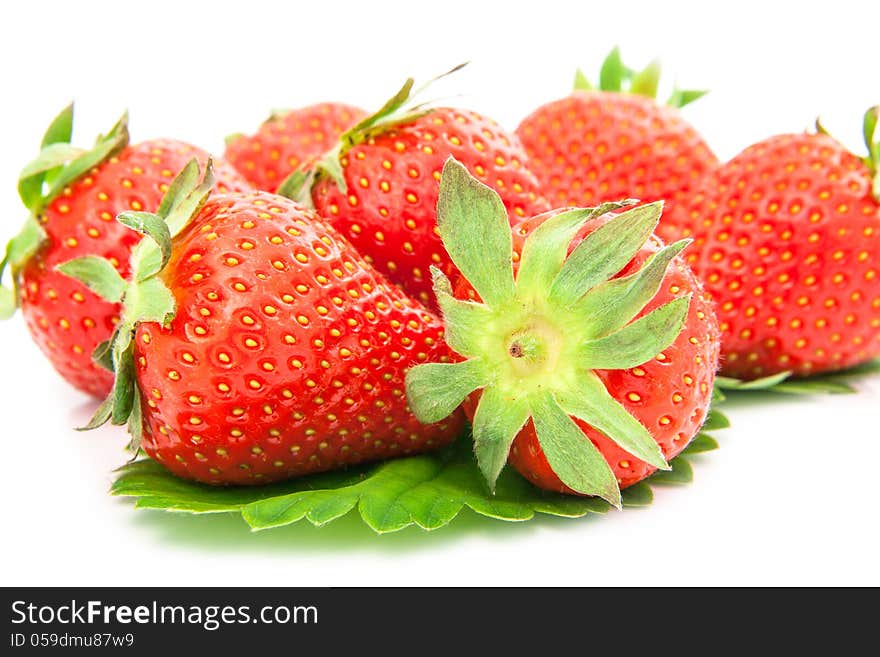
(75, 217)
(787, 240)
(594, 357)
(266, 347)
(379, 186)
(605, 144)
(289, 140)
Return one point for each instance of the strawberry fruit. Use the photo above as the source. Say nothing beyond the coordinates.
(787, 240)
(379, 186)
(258, 345)
(615, 141)
(289, 140)
(73, 196)
(592, 369)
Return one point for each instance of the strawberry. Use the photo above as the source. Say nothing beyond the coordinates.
(605, 144)
(73, 197)
(258, 345)
(289, 140)
(591, 369)
(379, 186)
(787, 240)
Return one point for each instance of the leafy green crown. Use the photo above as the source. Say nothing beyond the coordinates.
(617, 77)
(144, 297)
(57, 166)
(402, 107)
(534, 340)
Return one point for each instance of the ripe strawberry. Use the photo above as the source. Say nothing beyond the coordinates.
(289, 140)
(592, 368)
(787, 240)
(262, 346)
(379, 186)
(75, 217)
(599, 145)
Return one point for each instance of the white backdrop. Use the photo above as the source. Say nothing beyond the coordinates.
(790, 497)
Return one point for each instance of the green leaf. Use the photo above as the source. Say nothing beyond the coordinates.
(872, 134)
(715, 420)
(427, 491)
(702, 443)
(592, 403)
(638, 342)
(645, 82)
(613, 73)
(571, 455)
(19, 250)
(765, 383)
(604, 252)
(61, 129)
(464, 320)
(475, 230)
(124, 385)
(135, 421)
(103, 355)
(499, 418)
(581, 83)
(97, 274)
(33, 174)
(188, 200)
(154, 227)
(435, 390)
(612, 304)
(101, 416)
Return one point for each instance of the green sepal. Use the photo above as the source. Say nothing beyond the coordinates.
(229, 140)
(611, 305)
(581, 82)
(401, 108)
(498, 419)
(60, 130)
(638, 342)
(101, 415)
(98, 275)
(144, 297)
(683, 97)
(58, 165)
(616, 77)
(102, 356)
(19, 250)
(646, 81)
(435, 390)
(604, 252)
(545, 249)
(476, 231)
(871, 132)
(155, 228)
(462, 319)
(613, 73)
(593, 404)
(571, 455)
(135, 422)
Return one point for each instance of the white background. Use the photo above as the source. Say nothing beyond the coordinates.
(792, 496)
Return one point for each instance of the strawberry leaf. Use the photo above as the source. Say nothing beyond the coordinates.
(427, 491)
(835, 383)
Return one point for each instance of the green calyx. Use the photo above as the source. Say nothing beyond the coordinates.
(871, 131)
(615, 76)
(57, 166)
(144, 297)
(402, 107)
(533, 342)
